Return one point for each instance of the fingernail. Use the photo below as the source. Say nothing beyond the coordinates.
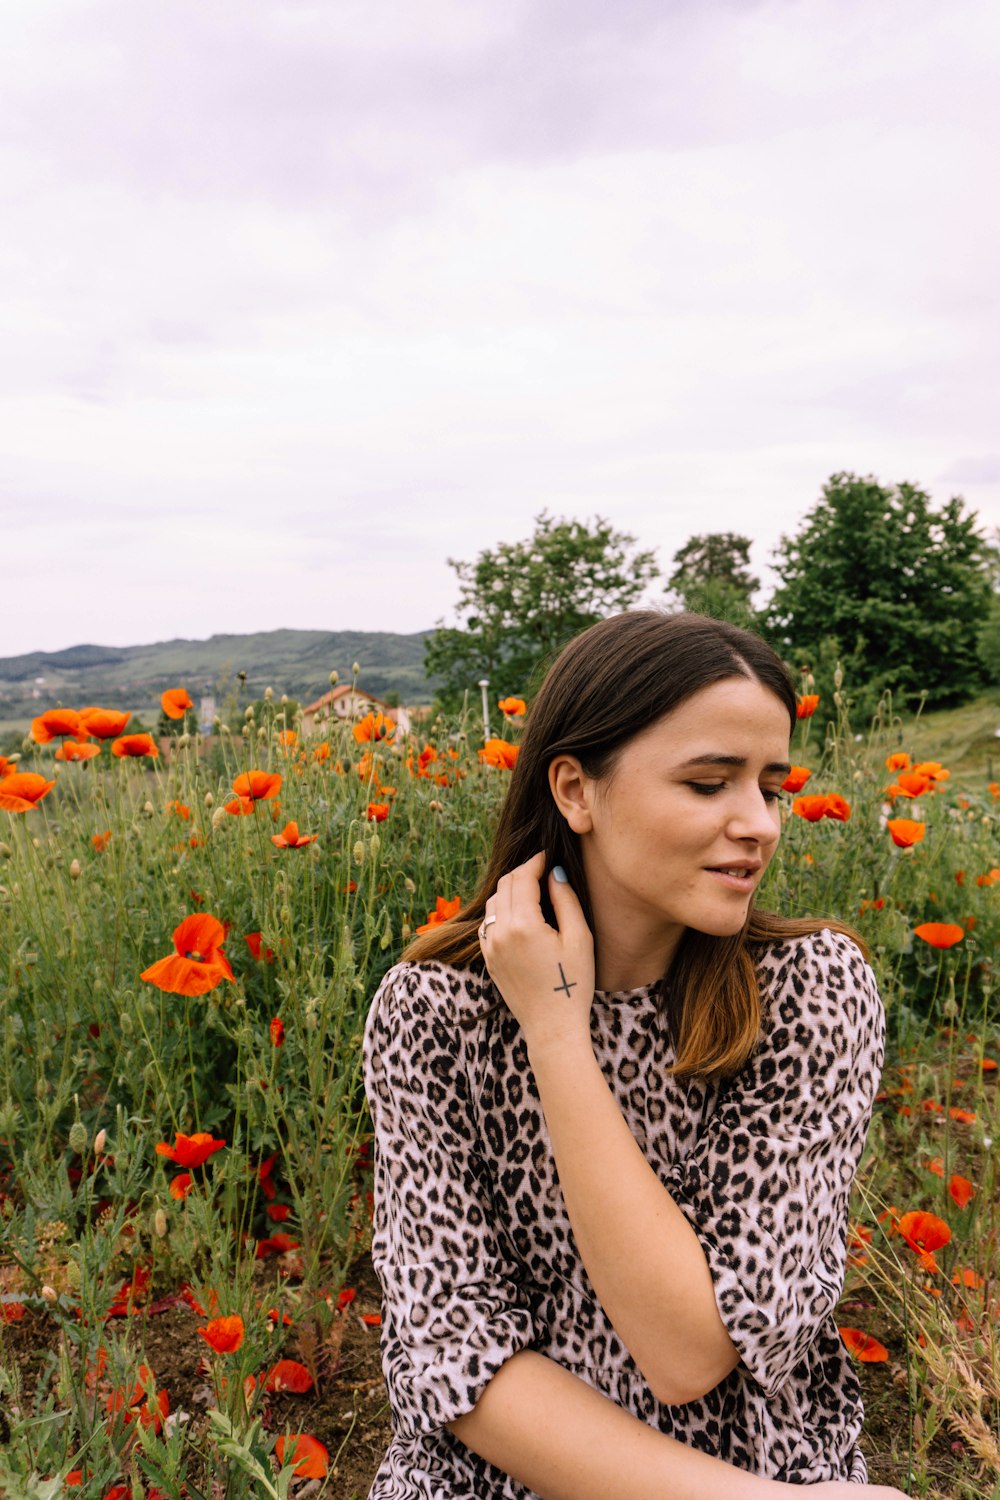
(560, 874)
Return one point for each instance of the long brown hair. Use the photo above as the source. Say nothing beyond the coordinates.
(606, 686)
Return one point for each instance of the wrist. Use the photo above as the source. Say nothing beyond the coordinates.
(558, 1043)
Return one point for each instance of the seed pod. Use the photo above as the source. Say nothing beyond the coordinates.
(359, 852)
(148, 809)
(375, 843)
(159, 1223)
(408, 883)
(209, 800)
(49, 1294)
(220, 819)
(78, 1137)
(333, 678)
(100, 1141)
(268, 694)
(74, 869)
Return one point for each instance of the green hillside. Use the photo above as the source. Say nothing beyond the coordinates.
(296, 662)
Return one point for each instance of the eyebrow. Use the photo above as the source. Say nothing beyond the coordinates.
(777, 766)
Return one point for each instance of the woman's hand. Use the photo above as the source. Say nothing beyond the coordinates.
(545, 976)
(842, 1489)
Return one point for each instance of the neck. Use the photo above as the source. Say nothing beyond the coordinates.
(629, 960)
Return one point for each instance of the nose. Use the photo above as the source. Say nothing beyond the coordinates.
(754, 818)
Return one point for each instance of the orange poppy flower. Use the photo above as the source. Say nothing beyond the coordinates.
(443, 912)
(277, 1031)
(932, 769)
(181, 1185)
(277, 1212)
(940, 934)
(56, 723)
(962, 1190)
(73, 750)
(134, 745)
(963, 1116)
(287, 739)
(190, 1150)
(321, 751)
(180, 808)
(898, 761)
(374, 1320)
(863, 1346)
(240, 807)
(310, 1457)
(7, 766)
(288, 1375)
(923, 1231)
(100, 841)
(377, 812)
(992, 877)
(253, 942)
(837, 807)
(174, 701)
(993, 787)
(806, 705)
(374, 727)
(796, 779)
(905, 832)
(276, 1244)
(512, 708)
(11, 1312)
(811, 808)
(290, 838)
(257, 786)
(967, 1276)
(499, 753)
(103, 723)
(225, 1335)
(21, 791)
(198, 964)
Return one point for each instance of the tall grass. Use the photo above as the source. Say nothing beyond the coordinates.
(98, 1067)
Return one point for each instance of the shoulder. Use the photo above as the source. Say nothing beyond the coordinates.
(424, 1005)
(820, 978)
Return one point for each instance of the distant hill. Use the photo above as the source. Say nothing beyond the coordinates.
(296, 662)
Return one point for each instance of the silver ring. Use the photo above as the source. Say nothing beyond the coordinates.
(486, 922)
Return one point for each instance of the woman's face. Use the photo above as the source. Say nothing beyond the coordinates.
(681, 830)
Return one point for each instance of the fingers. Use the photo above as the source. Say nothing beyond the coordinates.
(565, 904)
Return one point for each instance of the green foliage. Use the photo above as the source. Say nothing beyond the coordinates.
(522, 602)
(898, 589)
(712, 577)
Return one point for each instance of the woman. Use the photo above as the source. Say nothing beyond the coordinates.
(618, 1112)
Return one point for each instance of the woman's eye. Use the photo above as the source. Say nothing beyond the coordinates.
(706, 788)
(772, 796)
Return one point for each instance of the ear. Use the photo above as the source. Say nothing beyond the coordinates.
(571, 790)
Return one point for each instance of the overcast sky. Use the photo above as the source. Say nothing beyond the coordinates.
(300, 299)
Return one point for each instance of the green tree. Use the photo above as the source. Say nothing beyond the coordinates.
(712, 577)
(522, 601)
(989, 635)
(900, 591)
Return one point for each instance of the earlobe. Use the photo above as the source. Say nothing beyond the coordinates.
(571, 792)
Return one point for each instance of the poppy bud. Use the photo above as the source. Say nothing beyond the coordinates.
(435, 805)
(147, 808)
(268, 695)
(248, 715)
(242, 676)
(359, 852)
(78, 1137)
(100, 1141)
(216, 723)
(375, 843)
(183, 740)
(261, 735)
(838, 677)
(159, 1223)
(246, 731)
(406, 932)
(333, 678)
(284, 697)
(49, 1294)
(74, 869)
(355, 668)
(209, 800)
(6, 852)
(224, 729)
(408, 883)
(220, 819)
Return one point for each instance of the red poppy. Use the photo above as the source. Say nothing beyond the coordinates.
(863, 1346)
(499, 753)
(806, 705)
(962, 1190)
(181, 1185)
(310, 1457)
(796, 779)
(288, 1375)
(909, 785)
(374, 727)
(374, 1320)
(180, 808)
(905, 832)
(100, 841)
(898, 761)
(174, 701)
(11, 1312)
(225, 1335)
(134, 745)
(993, 787)
(56, 723)
(377, 812)
(321, 751)
(276, 1244)
(257, 786)
(923, 1232)
(277, 1212)
(963, 1116)
(199, 963)
(264, 1175)
(73, 750)
(277, 1030)
(822, 805)
(443, 912)
(512, 708)
(290, 838)
(253, 942)
(103, 723)
(932, 769)
(21, 791)
(7, 766)
(190, 1150)
(837, 807)
(940, 934)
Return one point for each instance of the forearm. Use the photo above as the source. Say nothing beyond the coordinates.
(554, 1433)
(645, 1261)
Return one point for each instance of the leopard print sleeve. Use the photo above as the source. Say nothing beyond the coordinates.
(768, 1184)
(453, 1308)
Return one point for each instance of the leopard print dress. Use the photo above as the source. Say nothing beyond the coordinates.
(474, 1249)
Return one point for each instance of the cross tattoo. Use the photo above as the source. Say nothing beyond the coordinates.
(566, 985)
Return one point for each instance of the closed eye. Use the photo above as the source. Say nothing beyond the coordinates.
(709, 788)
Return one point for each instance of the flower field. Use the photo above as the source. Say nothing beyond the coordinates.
(190, 934)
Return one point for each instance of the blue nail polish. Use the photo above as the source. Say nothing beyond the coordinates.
(560, 874)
